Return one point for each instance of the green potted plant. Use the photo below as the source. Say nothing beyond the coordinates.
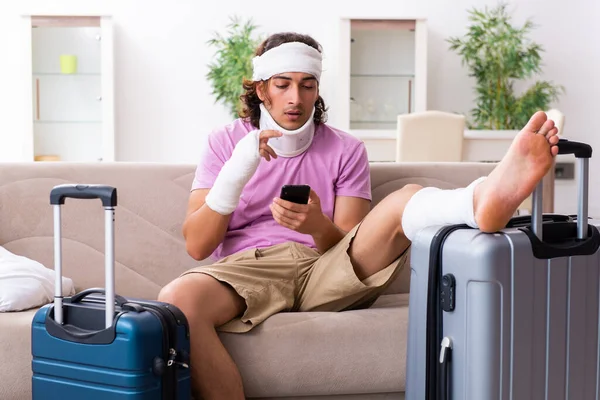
(233, 62)
(497, 53)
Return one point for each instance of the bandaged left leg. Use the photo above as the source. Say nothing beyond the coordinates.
(433, 206)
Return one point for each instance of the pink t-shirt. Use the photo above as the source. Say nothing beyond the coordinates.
(336, 164)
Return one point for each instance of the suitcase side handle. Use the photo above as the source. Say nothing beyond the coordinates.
(107, 194)
(583, 153)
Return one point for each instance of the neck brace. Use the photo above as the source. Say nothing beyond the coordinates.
(292, 143)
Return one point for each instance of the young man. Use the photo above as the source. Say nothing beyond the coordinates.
(331, 254)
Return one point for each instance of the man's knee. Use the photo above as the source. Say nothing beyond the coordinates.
(201, 298)
(403, 195)
(187, 293)
(397, 200)
(410, 189)
(178, 293)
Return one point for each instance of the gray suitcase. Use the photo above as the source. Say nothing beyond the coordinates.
(507, 315)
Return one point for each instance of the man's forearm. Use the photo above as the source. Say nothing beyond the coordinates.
(203, 231)
(328, 236)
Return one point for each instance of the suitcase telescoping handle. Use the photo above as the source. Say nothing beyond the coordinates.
(583, 153)
(108, 197)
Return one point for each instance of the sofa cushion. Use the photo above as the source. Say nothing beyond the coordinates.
(149, 245)
(150, 249)
(15, 348)
(325, 353)
(332, 353)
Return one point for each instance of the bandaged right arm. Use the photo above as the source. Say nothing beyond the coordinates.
(225, 193)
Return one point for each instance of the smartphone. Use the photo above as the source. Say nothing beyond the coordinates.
(295, 193)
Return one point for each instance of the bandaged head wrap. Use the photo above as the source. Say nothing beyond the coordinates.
(288, 57)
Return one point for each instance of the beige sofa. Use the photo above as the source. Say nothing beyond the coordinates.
(320, 355)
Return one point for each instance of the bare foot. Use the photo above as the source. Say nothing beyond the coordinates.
(528, 159)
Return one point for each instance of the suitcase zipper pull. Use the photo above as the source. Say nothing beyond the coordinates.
(445, 391)
(173, 359)
(446, 344)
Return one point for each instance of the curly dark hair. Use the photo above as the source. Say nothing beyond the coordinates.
(251, 101)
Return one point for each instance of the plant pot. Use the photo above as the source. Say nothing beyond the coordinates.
(68, 64)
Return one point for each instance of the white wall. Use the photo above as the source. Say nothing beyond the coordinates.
(163, 103)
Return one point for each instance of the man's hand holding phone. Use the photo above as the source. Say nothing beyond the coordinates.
(306, 218)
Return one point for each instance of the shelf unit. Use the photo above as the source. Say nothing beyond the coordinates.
(72, 112)
(383, 73)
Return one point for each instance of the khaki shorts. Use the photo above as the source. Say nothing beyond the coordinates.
(293, 277)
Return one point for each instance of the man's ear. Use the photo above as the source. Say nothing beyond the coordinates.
(260, 90)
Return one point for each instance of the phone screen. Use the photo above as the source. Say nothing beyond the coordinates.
(295, 193)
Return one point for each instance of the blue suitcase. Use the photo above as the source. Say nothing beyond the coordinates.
(97, 345)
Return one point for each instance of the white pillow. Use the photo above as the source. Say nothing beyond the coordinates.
(26, 284)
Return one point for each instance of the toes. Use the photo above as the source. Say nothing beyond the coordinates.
(554, 150)
(547, 126)
(536, 122)
(552, 133)
(553, 140)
